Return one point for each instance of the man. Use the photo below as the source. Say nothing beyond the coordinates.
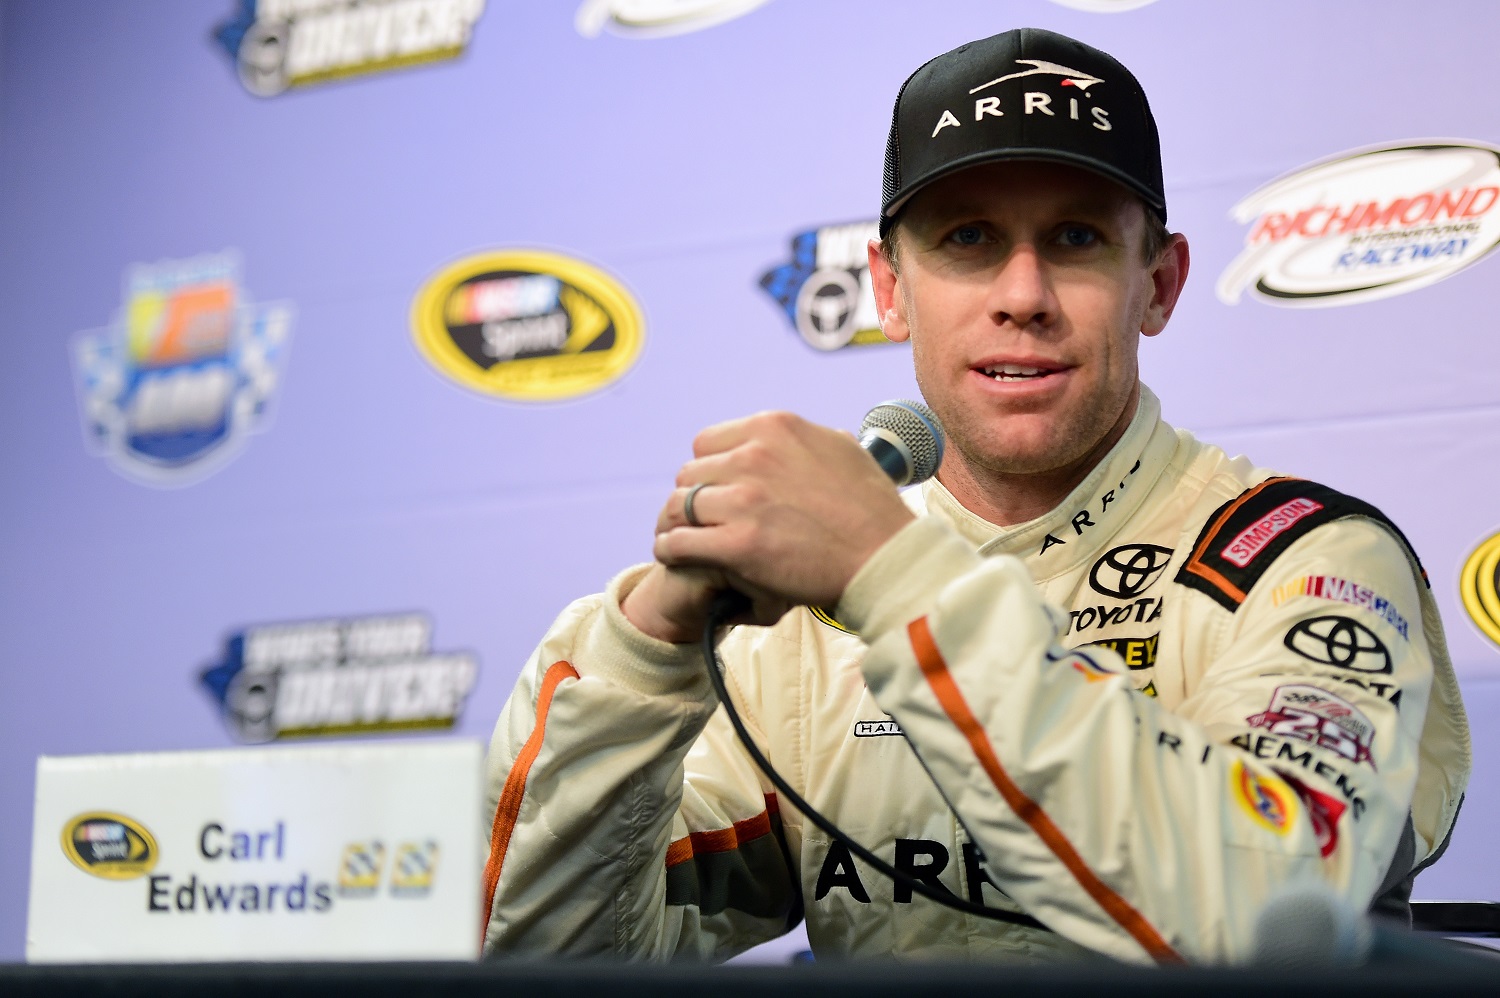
(1096, 672)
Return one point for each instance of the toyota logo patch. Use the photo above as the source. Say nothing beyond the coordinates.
(1128, 570)
(1340, 642)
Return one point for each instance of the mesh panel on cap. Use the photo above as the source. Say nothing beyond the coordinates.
(891, 181)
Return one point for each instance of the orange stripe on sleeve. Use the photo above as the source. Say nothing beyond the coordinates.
(1195, 563)
(509, 808)
(935, 669)
(723, 839)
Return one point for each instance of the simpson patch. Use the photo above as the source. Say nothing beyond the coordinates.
(1246, 535)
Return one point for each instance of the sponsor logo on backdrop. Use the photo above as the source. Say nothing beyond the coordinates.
(108, 845)
(825, 290)
(280, 44)
(186, 372)
(1104, 6)
(335, 677)
(656, 18)
(1479, 587)
(1368, 224)
(527, 325)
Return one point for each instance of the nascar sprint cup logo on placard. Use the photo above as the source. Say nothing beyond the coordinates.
(188, 370)
(655, 18)
(527, 325)
(825, 290)
(338, 677)
(279, 44)
(1368, 224)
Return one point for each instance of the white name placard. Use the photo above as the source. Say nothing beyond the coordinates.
(347, 852)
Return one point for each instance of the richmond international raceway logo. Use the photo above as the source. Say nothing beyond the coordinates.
(825, 290)
(657, 18)
(280, 44)
(186, 372)
(1368, 224)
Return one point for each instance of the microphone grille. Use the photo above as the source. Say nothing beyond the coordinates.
(1308, 926)
(914, 425)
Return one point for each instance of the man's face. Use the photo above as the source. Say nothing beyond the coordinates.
(1024, 292)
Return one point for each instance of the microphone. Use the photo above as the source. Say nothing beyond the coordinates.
(905, 439)
(1311, 927)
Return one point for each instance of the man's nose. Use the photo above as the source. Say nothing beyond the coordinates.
(1021, 291)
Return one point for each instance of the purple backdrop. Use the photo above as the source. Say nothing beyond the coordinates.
(682, 166)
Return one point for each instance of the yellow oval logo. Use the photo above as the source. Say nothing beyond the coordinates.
(1479, 586)
(527, 325)
(109, 845)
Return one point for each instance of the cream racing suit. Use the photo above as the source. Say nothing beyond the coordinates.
(1132, 719)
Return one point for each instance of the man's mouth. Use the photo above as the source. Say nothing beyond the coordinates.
(1014, 372)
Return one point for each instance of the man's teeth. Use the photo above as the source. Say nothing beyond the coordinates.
(1012, 372)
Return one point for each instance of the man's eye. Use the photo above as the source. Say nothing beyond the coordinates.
(968, 235)
(1077, 235)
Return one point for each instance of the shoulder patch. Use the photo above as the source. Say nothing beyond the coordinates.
(1245, 535)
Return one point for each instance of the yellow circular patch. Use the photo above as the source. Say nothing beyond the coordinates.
(1267, 801)
(527, 325)
(1479, 587)
(109, 845)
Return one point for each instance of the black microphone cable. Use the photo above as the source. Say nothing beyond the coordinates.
(730, 604)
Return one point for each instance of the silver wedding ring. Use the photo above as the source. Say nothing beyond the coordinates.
(687, 505)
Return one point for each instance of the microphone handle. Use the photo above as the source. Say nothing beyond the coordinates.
(728, 603)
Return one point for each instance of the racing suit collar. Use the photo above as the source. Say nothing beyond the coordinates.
(1079, 526)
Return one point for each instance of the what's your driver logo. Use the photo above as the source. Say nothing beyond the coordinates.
(184, 374)
(280, 44)
(825, 289)
(1368, 224)
(1479, 587)
(527, 325)
(337, 677)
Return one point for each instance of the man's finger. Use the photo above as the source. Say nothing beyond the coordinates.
(707, 503)
(726, 436)
(697, 547)
(709, 468)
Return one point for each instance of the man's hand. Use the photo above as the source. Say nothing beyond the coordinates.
(788, 513)
(671, 604)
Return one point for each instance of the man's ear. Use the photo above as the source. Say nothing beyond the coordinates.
(1168, 275)
(888, 299)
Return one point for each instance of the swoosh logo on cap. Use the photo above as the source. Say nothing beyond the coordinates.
(1040, 67)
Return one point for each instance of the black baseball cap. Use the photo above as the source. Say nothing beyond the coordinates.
(1024, 94)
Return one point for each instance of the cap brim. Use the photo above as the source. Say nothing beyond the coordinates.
(1029, 154)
